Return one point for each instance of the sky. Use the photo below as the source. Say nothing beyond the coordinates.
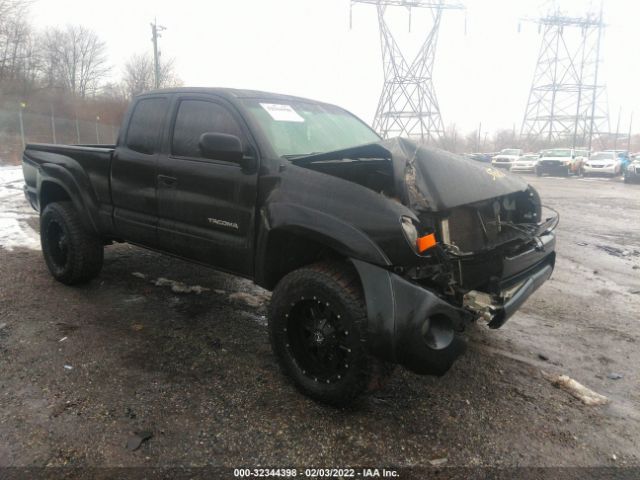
(483, 68)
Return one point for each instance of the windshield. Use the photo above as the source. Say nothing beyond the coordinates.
(557, 152)
(300, 128)
(528, 158)
(510, 151)
(602, 156)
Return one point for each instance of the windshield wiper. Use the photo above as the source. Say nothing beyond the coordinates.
(300, 155)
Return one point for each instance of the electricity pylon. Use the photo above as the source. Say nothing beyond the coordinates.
(566, 101)
(408, 105)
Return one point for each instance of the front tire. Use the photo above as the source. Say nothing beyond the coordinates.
(73, 255)
(317, 328)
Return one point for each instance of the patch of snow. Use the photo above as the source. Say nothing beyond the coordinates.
(176, 287)
(179, 287)
(15, 212)
(251, 300)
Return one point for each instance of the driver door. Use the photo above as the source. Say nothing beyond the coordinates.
(206, 206)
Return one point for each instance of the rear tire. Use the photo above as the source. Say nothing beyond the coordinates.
(317, 328)
(73, 255)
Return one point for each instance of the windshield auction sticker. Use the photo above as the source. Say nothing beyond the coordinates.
(281, 112)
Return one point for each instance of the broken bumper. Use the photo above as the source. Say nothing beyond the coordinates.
(410, 325)
(496, 311)
(522, 275)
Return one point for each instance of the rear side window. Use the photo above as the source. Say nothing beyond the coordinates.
(196, 117)
(145, 125)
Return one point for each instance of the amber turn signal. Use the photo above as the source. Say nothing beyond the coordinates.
(426, 242)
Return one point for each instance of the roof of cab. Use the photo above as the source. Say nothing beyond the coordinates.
(229, 93)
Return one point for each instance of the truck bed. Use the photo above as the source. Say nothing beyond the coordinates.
(87, 168)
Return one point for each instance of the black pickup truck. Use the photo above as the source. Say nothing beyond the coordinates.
(378, 252)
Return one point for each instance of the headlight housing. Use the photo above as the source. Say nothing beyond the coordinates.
(410, 232)
(419, 244)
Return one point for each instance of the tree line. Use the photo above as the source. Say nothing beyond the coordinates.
(71, 59)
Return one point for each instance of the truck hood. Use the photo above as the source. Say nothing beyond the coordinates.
(426, 178)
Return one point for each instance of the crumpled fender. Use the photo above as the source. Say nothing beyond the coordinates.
(408, 324)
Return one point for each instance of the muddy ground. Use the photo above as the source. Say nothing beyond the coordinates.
(81, 369)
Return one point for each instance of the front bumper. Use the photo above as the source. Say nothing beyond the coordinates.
(553, 168)
(611, 170)
(505, 165)
(523, 168)
(413, 326)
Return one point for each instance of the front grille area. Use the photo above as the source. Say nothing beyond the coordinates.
(475, 227)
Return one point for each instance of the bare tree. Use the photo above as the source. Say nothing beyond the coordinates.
(75, 59)
(451, 139)
(139, 74)
(15, 41)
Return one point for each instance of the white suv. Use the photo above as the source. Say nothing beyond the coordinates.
(506, 158)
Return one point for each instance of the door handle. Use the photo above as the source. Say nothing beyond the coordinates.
(167, 181)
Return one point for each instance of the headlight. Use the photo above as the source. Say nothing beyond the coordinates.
(410, 232)
(419, 244)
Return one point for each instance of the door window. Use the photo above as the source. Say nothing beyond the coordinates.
(145, 125)
(196, 117)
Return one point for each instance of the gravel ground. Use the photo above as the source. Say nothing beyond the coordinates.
(83, 369)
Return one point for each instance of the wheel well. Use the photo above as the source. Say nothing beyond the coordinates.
(287, 251)
(51, 192)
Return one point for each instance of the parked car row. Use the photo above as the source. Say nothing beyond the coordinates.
(565, 162)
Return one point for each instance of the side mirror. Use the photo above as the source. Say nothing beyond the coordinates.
(220, 146)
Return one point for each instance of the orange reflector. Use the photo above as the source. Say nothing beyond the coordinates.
(426, 242)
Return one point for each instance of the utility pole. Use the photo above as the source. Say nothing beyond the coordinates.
(53, 125)
(615, 139)
(23, 105)
(629, 139)
(155, 33)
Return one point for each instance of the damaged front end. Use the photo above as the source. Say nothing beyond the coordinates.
(493, 247)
